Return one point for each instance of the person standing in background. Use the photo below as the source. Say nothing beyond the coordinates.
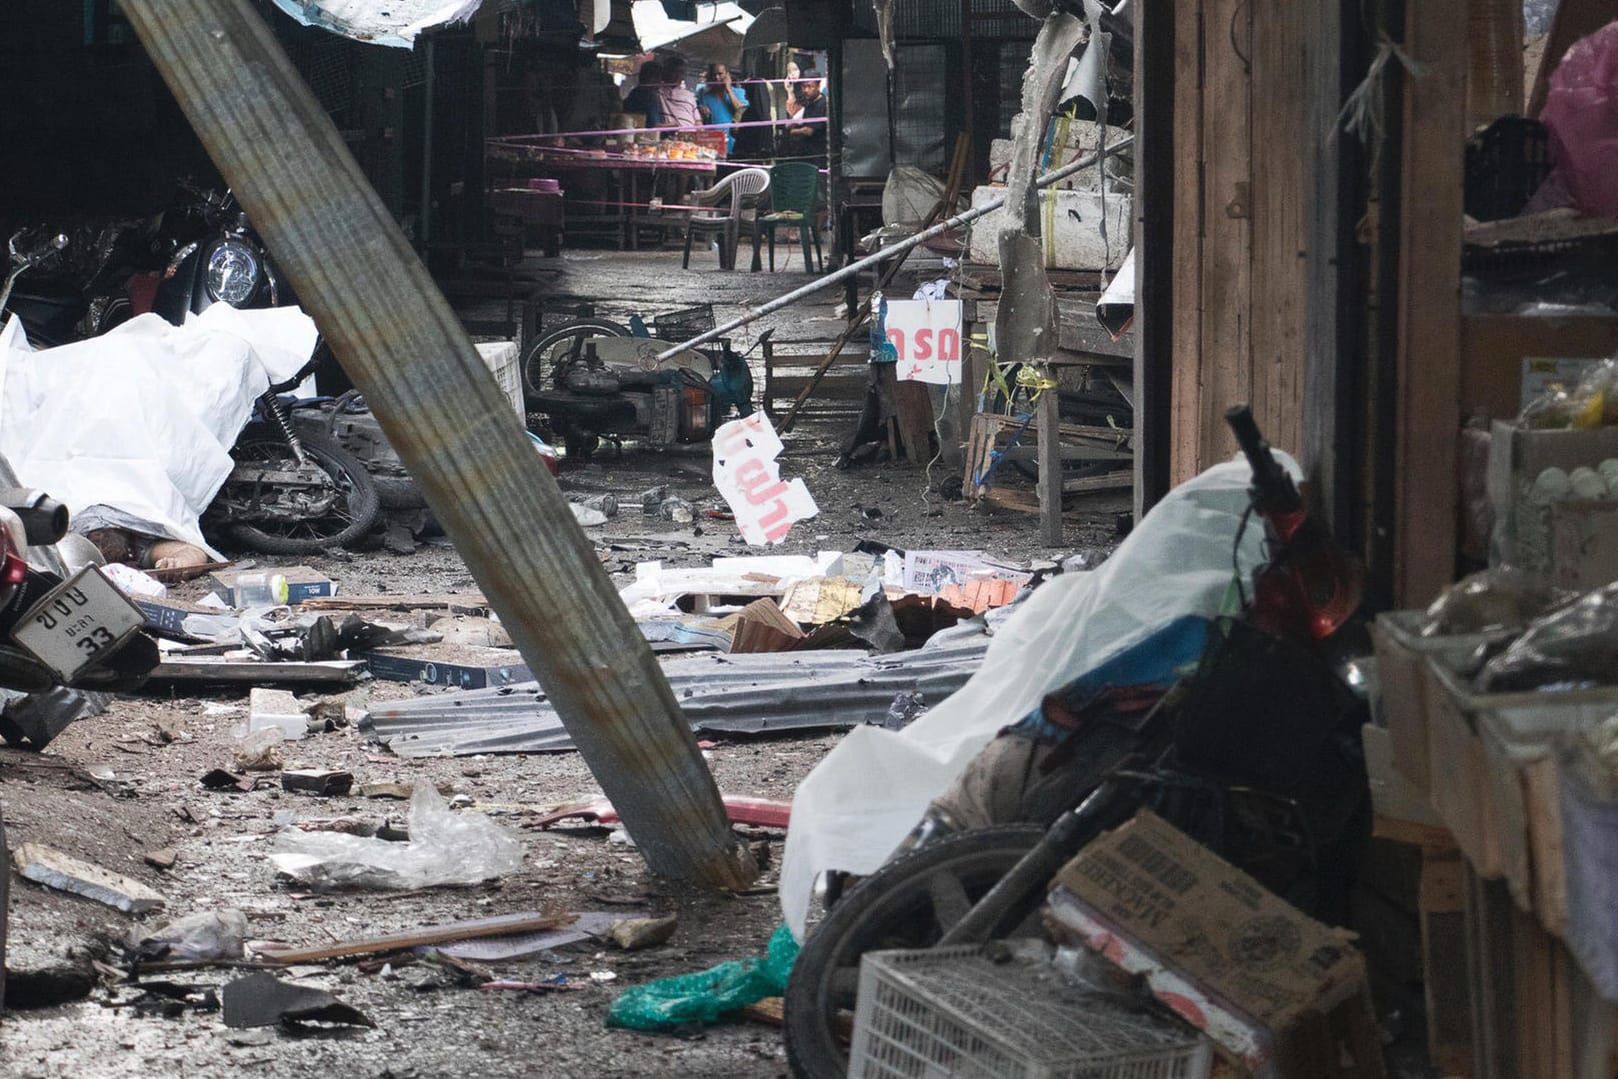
(721, 104)
(807, 140)
(679, 103)
(644, 97)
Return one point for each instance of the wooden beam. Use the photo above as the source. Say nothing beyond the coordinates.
(502, 925)
(1428, 410)
(1227, 245)
(1155, 201)
(405, 350)
(1188, 226)
(1050, 469)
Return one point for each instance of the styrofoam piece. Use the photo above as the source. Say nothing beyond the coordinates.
(1069, 223)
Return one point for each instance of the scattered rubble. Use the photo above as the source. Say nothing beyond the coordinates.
(54, 869)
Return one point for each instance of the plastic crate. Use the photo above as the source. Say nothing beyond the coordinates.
(1401, 655)
(956, 1012)
(501, 359)
(684, 324)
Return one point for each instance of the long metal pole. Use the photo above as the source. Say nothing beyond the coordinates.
(1055, 176)
(403, 346)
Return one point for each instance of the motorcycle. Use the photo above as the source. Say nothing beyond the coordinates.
(595, 379)
(290, 492)
(1255, 755)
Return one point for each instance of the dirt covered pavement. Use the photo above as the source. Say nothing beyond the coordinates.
(119, 787)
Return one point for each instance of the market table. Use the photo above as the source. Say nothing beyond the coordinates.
(630, 192)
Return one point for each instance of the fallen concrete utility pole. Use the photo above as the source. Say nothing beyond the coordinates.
(1055, 176)
(406, 351)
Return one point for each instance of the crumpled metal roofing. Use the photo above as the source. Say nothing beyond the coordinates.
(749, 694)
(379, 22)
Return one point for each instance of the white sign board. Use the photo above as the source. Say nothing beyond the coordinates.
(927, 336)
(746, 473)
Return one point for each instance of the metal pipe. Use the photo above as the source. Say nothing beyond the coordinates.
(1055, 176)
(458, 435)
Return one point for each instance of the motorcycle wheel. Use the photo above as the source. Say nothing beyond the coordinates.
(566, 340)
(341, 528)
(908, 903)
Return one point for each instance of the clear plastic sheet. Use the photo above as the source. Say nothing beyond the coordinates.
(1573, 646)
(1496, 599)
(445, 847)
(858, 804)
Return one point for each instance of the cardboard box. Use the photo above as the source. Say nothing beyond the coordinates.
(1523, 528)
(1283, 993)
(302, 583)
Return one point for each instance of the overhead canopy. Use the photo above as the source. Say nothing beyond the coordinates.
(379, 22)
(715, 37)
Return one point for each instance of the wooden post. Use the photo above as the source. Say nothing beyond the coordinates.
(405, 350)
(1155, 80)
(1050, 468)
(1428, 420)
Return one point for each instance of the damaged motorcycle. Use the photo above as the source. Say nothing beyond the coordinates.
(594, 379)
(290, 492)
(1242, 731)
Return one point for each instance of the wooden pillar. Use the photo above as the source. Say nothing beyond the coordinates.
(1155, 202)
(1427, 412)
(1050, 468)
(405, 350)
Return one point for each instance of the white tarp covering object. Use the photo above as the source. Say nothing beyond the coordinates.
(862, 800)
(379, 22)
(138, 423)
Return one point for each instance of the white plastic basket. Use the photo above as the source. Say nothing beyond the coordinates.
(953, 1012)
(501, 359)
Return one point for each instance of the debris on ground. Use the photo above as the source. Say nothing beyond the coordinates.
(53, 869)
(263, 1000)
(445, 847)
(206, 935)
(324, 782)
(504, 925)
(688, 999)
(633, 934)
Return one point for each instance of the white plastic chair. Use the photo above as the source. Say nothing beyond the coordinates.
(732, 200)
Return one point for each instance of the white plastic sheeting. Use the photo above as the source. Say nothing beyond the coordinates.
(379, 22)
(860, 802)
(138, 423)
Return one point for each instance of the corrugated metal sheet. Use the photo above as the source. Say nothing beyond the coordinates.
(719, 693)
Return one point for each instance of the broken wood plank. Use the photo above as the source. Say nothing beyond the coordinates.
(53, 869)
(454, 602)
(211, 671)
(1050, 469)
(502, 925)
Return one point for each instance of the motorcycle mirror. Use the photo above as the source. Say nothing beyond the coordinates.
(59, 241)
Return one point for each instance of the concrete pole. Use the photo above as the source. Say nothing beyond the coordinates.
(407, 352)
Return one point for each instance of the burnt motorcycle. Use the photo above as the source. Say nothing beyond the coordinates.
(596, 380)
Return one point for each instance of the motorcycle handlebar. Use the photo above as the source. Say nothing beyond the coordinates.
(1276, 493)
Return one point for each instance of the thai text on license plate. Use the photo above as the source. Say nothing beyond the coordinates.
(78, 623)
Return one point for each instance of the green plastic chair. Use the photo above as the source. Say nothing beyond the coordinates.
(794, 198)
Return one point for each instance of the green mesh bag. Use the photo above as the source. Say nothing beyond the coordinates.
(703, 997)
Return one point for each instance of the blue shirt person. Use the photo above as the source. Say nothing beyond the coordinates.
(720, 103)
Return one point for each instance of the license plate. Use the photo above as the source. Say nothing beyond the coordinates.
(78, 623)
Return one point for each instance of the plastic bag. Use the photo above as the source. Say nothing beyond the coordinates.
(445, 847)
(1572, 647)
(1494, 599)
(1592, 403)
(705, 996)
(196, 938)
(1581, 111)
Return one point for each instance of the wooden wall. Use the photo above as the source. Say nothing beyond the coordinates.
(1248, 143)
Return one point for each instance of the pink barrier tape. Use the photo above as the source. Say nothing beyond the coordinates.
(648, 130)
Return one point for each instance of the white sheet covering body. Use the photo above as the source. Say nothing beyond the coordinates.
(863, 799)
(138, 423)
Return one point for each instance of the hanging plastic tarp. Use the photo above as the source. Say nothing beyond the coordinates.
(379, 22)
